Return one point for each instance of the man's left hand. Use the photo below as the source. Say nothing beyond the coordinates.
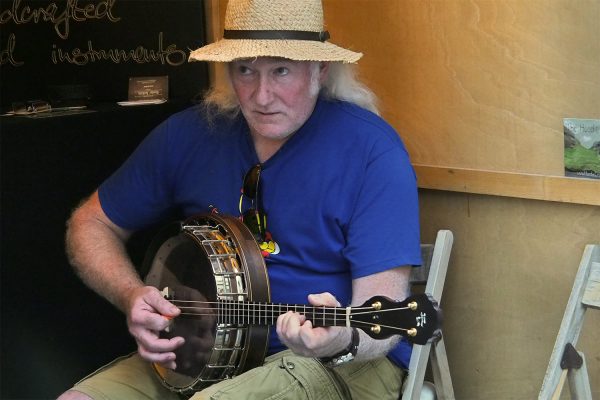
(299, 335)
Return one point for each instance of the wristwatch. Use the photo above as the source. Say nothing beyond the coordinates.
(345, 355)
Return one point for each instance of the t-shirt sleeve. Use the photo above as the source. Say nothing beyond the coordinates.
(137, 194)
(384, 231)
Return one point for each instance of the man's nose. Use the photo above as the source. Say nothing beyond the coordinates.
(264, 91)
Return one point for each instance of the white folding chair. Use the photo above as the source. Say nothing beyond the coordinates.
(566, 361)
(432, 274)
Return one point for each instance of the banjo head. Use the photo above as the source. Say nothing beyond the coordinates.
(197, 263)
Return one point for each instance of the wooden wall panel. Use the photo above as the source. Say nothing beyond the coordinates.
(511, 272)
(478, 84)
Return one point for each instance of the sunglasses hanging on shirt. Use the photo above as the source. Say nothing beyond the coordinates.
(254, 218)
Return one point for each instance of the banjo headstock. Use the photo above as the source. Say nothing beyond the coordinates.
(417, 318)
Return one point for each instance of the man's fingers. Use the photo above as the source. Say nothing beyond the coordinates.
(154, 349)
(151, 342)
(148, 320)
(323, 299)
(166, 359)
(162, 306)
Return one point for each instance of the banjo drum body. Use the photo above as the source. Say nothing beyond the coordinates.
(200, 265)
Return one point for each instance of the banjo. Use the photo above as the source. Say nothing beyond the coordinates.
(211, 267)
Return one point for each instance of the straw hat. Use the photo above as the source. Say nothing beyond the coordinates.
(291, 29)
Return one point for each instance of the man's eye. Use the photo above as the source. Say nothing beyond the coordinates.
(282, 71)
(243, 70)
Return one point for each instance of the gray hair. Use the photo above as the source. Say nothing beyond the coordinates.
(341, 84)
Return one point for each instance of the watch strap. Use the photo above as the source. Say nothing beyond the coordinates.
(345, 355)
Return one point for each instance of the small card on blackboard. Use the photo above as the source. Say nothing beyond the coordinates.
(582, 147)
(148, 89)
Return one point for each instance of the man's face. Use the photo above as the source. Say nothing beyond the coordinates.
(276, 95)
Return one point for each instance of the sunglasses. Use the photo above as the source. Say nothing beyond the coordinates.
(253, 218)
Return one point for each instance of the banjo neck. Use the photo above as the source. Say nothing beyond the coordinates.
(258, 313)
(416, 317)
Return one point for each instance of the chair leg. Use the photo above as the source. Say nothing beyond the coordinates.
(414, 380)
(441, 371)
(579, 383)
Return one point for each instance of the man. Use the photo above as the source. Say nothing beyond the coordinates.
(338, 210)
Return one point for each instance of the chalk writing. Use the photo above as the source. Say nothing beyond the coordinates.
(23, 14)
(45, 43)
(140, 55)
(7, 54)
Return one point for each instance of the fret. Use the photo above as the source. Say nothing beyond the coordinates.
(248, 311)
(244, 306)
(280, 310)
(271, 312)
(227, 312)
(268, 314)
(335, 316)
(272, 315)
(221, 312)
(229, 321)
(232, 311)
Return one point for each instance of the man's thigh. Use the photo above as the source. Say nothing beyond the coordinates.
(283, 376)
(128, 378)
(291, 377)
(377, 379)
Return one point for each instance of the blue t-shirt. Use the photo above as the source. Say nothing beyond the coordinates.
(340, 195)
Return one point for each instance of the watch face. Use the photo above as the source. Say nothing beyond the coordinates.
(342, 359)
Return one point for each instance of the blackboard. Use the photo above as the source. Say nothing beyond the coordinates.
(99, 43)
(52, 327)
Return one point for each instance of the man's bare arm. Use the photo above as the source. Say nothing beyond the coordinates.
(96, 249)
(392, 283)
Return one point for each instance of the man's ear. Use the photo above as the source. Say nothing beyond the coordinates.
(323, 71)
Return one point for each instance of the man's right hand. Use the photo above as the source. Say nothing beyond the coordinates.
(148, 313)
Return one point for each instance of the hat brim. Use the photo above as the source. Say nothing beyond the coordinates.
(226, 50)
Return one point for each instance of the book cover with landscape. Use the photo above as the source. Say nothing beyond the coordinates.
(582, 147)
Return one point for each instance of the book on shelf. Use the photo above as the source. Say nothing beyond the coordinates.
(582, 147)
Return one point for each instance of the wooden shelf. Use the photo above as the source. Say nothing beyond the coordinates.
(510, 184)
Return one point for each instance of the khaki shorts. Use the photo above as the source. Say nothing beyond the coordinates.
(283, 376)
